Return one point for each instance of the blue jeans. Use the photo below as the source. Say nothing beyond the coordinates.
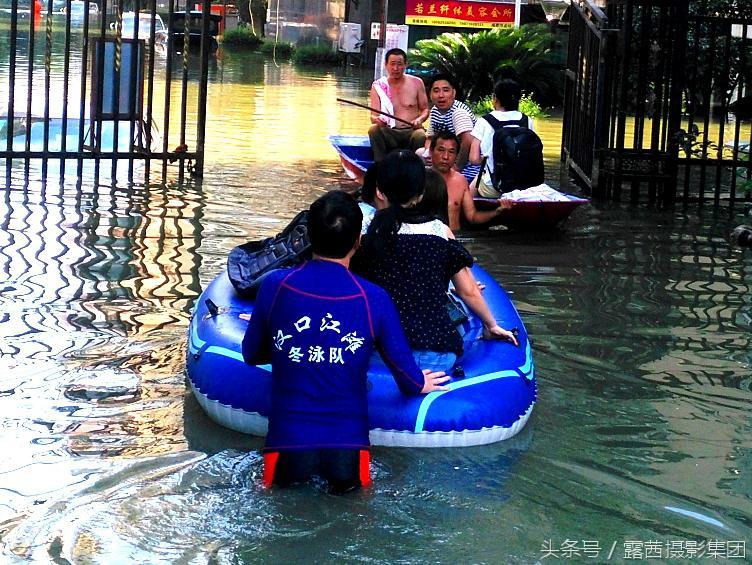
(432, 360)
(435, 360)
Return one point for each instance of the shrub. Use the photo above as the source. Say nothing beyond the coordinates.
(531, 108)
(528, 106)
(280, 49)
(482, 106)
(316, 55)
(241, 38)
(477, 60)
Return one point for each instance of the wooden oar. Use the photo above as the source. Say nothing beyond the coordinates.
(387, 114)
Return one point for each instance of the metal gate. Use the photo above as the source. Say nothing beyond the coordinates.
(96, 85)
(584, 95)
(656, 102)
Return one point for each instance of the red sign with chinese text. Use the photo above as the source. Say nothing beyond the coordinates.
(459, 13)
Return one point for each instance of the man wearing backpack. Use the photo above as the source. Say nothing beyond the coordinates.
(506, 145)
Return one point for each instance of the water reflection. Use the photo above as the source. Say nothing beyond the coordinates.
(95, 283)
(642, 338)
(194, 508)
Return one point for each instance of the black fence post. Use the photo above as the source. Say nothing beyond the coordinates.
(80, 132)
(198, 169)
(676, 97)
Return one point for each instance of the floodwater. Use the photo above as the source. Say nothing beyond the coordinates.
(639, 446)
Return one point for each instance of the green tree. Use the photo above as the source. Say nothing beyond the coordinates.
(729, 8)
(241, 38)
(725, 79)
(477, 60)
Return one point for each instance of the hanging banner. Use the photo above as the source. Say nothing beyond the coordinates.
(396, 35)
(459, 13)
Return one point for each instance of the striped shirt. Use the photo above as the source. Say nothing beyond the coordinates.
(458, 119)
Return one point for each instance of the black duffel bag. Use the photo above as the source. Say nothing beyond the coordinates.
(248, 264)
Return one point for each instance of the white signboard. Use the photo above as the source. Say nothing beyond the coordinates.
(349, 37)
(737, 30)
(396, 37)
(375, 29)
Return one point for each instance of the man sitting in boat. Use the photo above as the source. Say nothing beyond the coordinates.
(318, 324)
(506, 98)
(400, 96)
(444, 149)
(449, 114)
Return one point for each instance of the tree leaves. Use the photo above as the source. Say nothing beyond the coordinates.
(477, 60)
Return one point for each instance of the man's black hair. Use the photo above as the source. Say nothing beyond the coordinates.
(395, 51)
(442, 76)
(508, 93)
(334, 222)
(450, 79)
(444, 134)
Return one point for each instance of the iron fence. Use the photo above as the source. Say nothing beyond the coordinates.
(658, 101)
(583, 126)
(96, 85)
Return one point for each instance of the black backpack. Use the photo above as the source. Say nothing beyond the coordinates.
(517, 155)
(248, 264)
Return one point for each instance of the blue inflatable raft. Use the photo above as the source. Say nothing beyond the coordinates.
(490, 403)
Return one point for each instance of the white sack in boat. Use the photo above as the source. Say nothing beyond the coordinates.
(540, 193)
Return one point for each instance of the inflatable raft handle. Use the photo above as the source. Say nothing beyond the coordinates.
(515, 331)
(213, 308)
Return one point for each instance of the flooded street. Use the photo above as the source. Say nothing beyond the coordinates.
(640, 323)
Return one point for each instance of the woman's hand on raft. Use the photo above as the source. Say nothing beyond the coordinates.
(497, 332)
(433, 381)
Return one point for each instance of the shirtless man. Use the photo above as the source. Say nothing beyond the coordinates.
(444, 149)
(403, 96)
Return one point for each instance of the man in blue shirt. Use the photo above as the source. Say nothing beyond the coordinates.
(318, 325)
